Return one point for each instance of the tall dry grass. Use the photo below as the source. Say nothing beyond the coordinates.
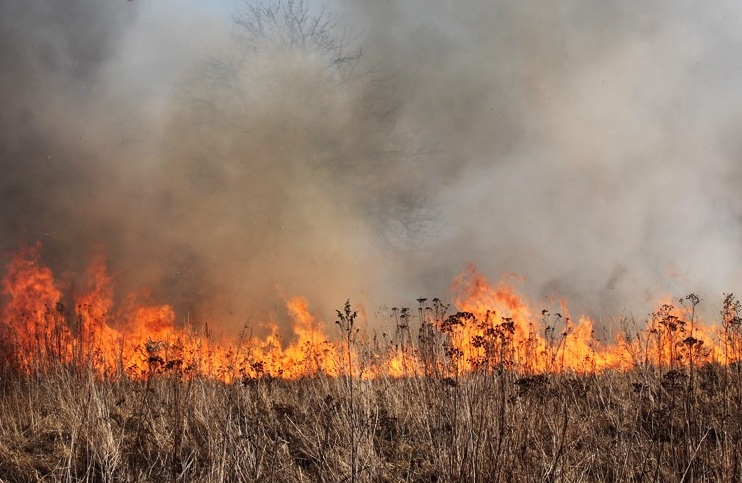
(665, 424)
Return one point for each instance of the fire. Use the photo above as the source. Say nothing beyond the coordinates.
(32, 315)
(675, 337)
(493, 329)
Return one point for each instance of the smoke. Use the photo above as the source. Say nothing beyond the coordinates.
(52, 54)
(586, 146)
(371, 150)
(221, 165)
(85, 91)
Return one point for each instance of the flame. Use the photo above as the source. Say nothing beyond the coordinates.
(32, 316)
(493, 328)
(557, 343)
(495, 320)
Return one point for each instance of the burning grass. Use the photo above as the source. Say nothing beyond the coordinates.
(489, 392)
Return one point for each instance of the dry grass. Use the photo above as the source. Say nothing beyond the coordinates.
(680, 422)
(635, 426)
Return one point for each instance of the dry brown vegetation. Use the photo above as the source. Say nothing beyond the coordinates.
(664, 424)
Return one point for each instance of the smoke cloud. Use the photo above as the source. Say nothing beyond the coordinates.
(52, 150)
(225, 157)
(586, 146)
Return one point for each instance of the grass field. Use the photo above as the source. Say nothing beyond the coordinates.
(69, 425)
(490, 393)
(450, 416)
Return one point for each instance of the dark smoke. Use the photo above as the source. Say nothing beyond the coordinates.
(52, 152)
(84, 90)
(227, 156)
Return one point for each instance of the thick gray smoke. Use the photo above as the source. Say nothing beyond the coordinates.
(590, 146)
(223, 166)
(55, 134)
(284, 167)
(226, 156)
(85, 90)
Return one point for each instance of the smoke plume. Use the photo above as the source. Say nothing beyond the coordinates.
(226, 156)
(586, 146)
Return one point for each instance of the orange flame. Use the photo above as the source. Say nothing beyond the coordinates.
(32, 314)
(494, 328)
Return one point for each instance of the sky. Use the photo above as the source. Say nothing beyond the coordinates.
(224, 160)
